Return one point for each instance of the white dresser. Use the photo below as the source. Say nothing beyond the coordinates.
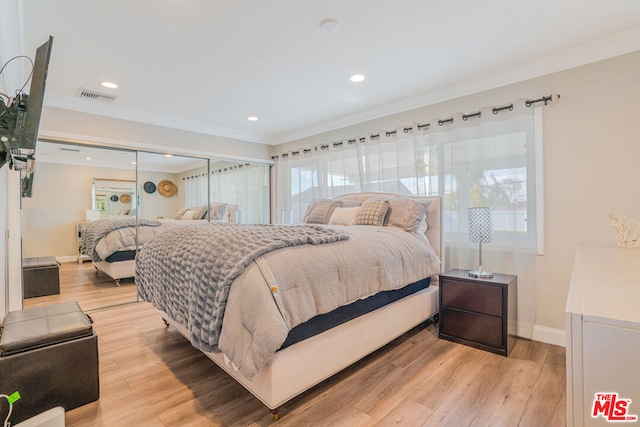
(603, 333)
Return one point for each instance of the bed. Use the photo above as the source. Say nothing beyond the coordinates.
(259, 303)
(112, 243)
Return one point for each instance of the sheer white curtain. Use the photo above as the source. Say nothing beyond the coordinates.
(485, 159)
(395, 162)
(324, 171)
(195, 190)
(245, 185)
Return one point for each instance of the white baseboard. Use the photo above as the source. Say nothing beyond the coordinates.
(549, 335)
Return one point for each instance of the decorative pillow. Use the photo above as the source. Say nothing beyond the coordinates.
(180, 213)
(190, 214)
(372, 213)
(406, 213)
(200, 212)
(344, 216)
(319, 211)
(218, 209)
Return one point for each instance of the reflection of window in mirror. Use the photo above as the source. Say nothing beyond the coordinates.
(243, 185)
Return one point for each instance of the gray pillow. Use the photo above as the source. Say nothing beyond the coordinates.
(320, 210)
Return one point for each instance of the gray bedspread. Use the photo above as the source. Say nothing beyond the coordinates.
(95, 231)
(280, 289)
(187, 271)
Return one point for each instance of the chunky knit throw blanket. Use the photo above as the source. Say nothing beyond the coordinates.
(97, 230)
(187, 271)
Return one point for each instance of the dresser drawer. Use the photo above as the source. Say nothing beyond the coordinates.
(485, 299)
(479, 328)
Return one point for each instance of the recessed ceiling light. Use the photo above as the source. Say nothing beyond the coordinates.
(168, 155)
(329, 25)
(134, 163)
(110, 85)
(357, 78)
(252, 118)
(87, 158)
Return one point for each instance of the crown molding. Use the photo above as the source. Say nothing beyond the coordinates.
(593, 52)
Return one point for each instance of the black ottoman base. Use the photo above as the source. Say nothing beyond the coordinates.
(64, 374)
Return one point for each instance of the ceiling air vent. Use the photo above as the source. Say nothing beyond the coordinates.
(96, 96)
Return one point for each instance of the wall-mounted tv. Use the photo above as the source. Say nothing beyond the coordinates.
(20, 119)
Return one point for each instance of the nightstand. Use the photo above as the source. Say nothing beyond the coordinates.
(481, 313)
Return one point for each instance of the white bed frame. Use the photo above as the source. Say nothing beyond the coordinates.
(117, 270)
(299, 367)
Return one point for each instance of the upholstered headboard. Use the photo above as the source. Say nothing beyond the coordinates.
(434, 217)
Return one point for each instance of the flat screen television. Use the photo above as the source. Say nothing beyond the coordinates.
(20, 120)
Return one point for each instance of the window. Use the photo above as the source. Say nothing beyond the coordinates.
(487, 162)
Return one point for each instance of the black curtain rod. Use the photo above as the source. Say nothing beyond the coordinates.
(466, 117)
(407, 129)
(544, 99)
(496, 110)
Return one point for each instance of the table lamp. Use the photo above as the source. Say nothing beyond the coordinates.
(480, 231)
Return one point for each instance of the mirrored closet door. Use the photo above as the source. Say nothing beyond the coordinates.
(73, 185)
(79, 188)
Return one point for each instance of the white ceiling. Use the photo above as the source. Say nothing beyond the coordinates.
(206, 65)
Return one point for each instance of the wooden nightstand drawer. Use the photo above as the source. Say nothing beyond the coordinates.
(471, 297)
(479, 328)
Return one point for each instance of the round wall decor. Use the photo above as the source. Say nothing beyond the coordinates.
(149, 187)
(167, 188)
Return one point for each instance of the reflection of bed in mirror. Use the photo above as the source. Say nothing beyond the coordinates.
(111, 243)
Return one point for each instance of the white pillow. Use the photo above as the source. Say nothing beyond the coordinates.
(344, 216)
(189, 215)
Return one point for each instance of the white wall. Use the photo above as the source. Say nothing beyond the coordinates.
(591, 159)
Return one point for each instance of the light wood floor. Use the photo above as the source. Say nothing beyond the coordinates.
(90, 288)
(151, 376)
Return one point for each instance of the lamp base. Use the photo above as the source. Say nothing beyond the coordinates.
(481, 274)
